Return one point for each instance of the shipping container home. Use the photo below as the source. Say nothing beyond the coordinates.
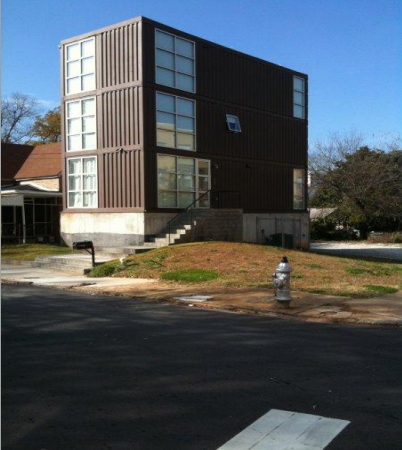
(170, 138)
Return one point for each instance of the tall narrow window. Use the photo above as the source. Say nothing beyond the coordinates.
(299, 201)
(175, 122)
(182, 180)
(81, 124)
(299, 98)
(80, 66)
(174, 61)
(82, 182)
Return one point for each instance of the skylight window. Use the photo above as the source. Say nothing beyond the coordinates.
(233, 123)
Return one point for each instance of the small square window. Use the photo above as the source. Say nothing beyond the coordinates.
(233, 123)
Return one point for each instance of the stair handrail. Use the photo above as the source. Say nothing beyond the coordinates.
(190, 206)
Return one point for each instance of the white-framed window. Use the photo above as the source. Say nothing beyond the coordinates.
(233, 123)
(82, 182)
(299, 98)
(182, 180)
(80, 66)
(81, 124)
(174, 61)
(299, 197)
(175, 122)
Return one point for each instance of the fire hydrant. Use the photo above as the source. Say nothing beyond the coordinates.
(281, 281)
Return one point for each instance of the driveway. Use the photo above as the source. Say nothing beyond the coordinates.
(359, 249)
(92, 372)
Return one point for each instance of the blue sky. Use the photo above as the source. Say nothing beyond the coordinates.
(351, 49)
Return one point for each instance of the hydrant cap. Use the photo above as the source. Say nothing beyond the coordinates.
(284, 259)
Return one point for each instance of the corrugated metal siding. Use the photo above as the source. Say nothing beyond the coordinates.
(121, 177)
(119, 118)
(120, 50)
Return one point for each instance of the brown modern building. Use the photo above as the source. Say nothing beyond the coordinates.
(157, 120)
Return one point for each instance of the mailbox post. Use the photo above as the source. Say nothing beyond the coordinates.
(88, 246)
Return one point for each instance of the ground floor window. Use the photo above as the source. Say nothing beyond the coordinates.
(182, 180)
(299, 201)
(82, 182)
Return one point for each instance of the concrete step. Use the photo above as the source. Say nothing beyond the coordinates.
(136, 249)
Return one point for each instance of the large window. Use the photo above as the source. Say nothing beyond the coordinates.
(80, 66)
(174, 61)
(182, 180)
(299, 98)
(82, 182)
(299, 198)
(81, 124)
(175, 122)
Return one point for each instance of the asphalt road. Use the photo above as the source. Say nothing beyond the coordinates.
(391, 252)
(85, 372)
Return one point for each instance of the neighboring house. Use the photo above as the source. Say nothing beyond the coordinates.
(321, 213)
(156, 120)
(30, 192)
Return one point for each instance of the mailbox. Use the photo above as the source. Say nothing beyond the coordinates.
(88, 246)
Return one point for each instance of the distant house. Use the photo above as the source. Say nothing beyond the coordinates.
(30, 192)
(321, 213)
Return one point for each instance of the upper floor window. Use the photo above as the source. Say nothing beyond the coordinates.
(233, 123)
(299, 98)
(299, 198)
(174, 61)
(175, 122)
(81, 124)
(80, 66)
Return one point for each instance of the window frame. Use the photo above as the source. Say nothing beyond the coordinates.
(175, 71)
(175, 131)
(67, 134)
(303, 184)
(197, 192)
(303, 92)
(66, 61)
(81, 158)
(237, 122)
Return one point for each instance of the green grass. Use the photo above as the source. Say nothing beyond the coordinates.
(106, 270)
(380, 289)
(28, 252)
(190, 275)
(314, 266)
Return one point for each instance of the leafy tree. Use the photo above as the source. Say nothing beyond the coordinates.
(17, 114)
(47, 128)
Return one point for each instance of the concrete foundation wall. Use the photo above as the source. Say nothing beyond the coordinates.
(156, 222)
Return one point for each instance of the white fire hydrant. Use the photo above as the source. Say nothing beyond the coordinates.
(281, 280)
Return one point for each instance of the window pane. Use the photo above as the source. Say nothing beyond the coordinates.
(186, 165)
(186, 183)
(88, 48)
(165, 59)
(185, 107)
(89, 182)
(88, 107)
(165, 41)
(165, 120)
(185, 48)
(166, 199)
(74, 166)
(73, 109)
(73, 69)
(185, 124)
(73, 126)
(298, 111)
(204, 201)
(203, 167)
(88, 141)
(298, 84)
(74, 142)
(165, 103)
(165, 77)
(185, 65)
(73, 51)
(74, 183)
(185, 82)
(165, 138)
(89, 165)
(203, 184)
(74, 199)
(167, 181)
(185, 141)
(89, 199)
(298, 98)
(166, 163)
(88, 65)
(88, 124)
(73, 85)
(88, 82)
(185, 199)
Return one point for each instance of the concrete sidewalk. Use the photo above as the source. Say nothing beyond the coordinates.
(385, 310)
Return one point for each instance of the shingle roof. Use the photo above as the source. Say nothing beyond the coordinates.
(13, 157)
(44, 161)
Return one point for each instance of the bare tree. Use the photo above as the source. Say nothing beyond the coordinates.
(17, 114)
